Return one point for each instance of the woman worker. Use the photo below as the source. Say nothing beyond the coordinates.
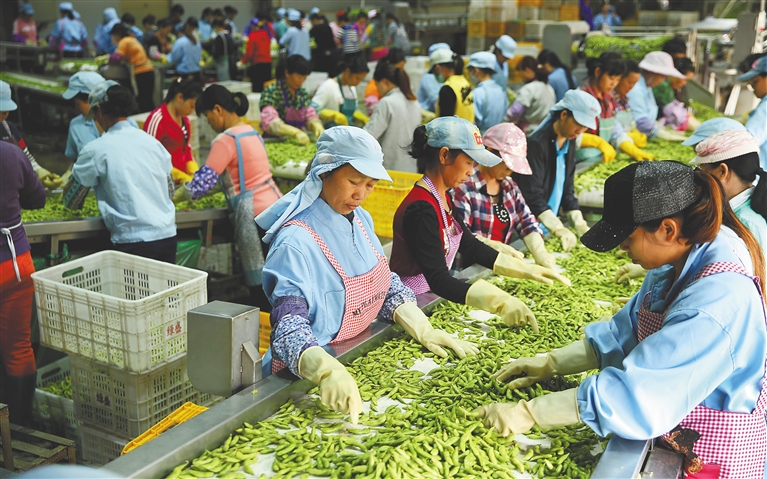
(69, 36)
(428, 89)
(19, 188)
(169, 123)
(130, 174)
(131, 51)
(285, 106)
(187, 52)
(604, 74)
(336, 98)
(551, 154)
(395, 117)
(455, 97)
(490, 203)
(326, 274)
(757, 119)
(427, 237)
(687, 353)
(490, 100)
(655, 66)
(534, 100)
(561, 78)
(668, 96)
(237, 158)
(396, 58)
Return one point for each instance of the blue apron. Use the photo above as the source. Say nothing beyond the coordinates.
(555, 200)
(350, 104)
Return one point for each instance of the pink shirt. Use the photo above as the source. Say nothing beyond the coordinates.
(223, 156)
(25, 30)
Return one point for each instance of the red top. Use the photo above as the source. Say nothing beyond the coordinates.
(258, 49)
(402, 261)
(162, 126)
(499, 230)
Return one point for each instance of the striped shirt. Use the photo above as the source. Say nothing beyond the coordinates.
(349, 39)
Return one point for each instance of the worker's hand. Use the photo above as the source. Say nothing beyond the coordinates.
(501, 247)
(163, 58)
(551, 410)
(417, 325)
(536, 246)
(335, 116)
(593, 141)
(506, 265)
(279, 128)
(361, 117)
(427, 116)
(553, 224)
(628, 272)
(65, 177)
(513, 312)
(180, 176)
(692, 123)
(574, 358)
(639, 138)
(634, 152)
(338, 389)
(42, 173)
(192, 167)
(576, 218)
(667, 134)
(315, 126)
(240, 65)
(182, 194)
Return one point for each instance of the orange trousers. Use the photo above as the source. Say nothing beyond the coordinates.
(16, 316)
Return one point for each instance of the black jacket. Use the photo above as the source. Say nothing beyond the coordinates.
(542, 156)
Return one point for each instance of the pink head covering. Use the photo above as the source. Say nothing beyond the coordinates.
(724, 145)
(510, 141)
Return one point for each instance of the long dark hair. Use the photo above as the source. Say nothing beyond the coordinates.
(609, 63)
(548, 56)
(702, 220)
(456, 63)
(397, 76)
(293, 64)
(426, 157)
(218, 95)
(530, 62)
(746, 168)
(187, 87)
(121, 103)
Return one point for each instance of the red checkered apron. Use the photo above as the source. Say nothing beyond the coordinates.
(734, 443)
(451, 241)
(365, 294)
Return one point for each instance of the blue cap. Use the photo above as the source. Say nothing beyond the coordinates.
(585, 107)
(6, 104)
(349, 144)
(709, 127)
(281, 13)
(314, 11)
(757, 68)
(506, 45)
(294, 15)
(66, 6)
(26, 9)
(458, 134)
(438, 46)
(482, 60)
(98, 95)
(82, 82)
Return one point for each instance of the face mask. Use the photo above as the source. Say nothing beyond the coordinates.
(440, 78)
(473, 80)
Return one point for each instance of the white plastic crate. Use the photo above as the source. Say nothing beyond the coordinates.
(127, 404)
(118, 309)
(100, 447)
(254, 111)
(235, 86)
(475, 44)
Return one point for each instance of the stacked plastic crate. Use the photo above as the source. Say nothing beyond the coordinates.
(487, 22)
(534, 15)
(122, 320)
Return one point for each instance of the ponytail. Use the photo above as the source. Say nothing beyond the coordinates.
(457, 64)
(218, 95)
(397, 76)
(427, 157)
(746, 167)
(187, 87)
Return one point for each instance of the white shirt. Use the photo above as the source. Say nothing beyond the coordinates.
(330, 97)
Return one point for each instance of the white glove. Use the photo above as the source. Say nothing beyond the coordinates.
(553, 224)
(338, 389)
(669, 135)
(501, 247)
(412, 320)
(537, 248)
(628, 272)
(576, 218)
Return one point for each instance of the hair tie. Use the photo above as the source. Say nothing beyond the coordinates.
(179, 80)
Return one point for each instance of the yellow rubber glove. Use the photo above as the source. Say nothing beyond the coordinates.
(501, 247)
(593, 141)
(50, 181)
(65, 176)
(576, 218)
(361, 117)
(412, 320)
(513, 312)
(574, 358)
(335, 116)
(506, 265)
(192, 167)
(338, 389)
(639, 138)
(301, 137)
(179, 176)
(181, 194)
(536, 246)
(634, 152)
(553, 224)
(551, 410)
(628, 272)
(315, 126)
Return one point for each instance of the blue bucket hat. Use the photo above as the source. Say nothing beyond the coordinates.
(438, 46)
(26, 9)
(294, 15)
(336, 147)
(757, 68)
(584, 106)
(82, 82)
(98, 95)
(709, 127)
(66, 6)
(482, 60)
(6, 103)
(281, 12)
(458, 134)
(506, 45)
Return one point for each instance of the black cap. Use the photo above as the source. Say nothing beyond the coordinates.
(640, 192)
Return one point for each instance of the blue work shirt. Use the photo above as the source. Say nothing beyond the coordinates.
(490, 103)
(501, 75)
(558, 81)
(205, 29)
(186, 56)
(757, 126)
(756, 224)
(710, 350)
(82, 132)
(297, 42)
(129, 171)
(644, 109)
(280, 28)
(297, 268)
(102, 39)
(428, 92)
(136, 31)
(612, 20)
(71, 33)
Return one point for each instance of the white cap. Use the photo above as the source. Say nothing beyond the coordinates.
(660, 63)
(443, 55)
(725, 145)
